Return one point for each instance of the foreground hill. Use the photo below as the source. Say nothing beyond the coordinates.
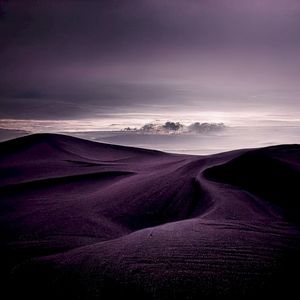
(85, 220)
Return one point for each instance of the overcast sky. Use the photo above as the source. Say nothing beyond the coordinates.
(62, 60)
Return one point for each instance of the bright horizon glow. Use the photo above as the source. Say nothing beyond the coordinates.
(118, 121)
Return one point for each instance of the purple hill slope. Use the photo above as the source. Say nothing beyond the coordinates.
(85, 220)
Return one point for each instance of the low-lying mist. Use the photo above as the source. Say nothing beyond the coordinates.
(171, 136)
(214, 141)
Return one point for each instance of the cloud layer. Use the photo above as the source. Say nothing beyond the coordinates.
(83, 59)
(171, 127)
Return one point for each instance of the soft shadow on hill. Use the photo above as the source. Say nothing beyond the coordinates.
(85, 220)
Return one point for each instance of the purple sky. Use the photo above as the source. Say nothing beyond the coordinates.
(63, 60)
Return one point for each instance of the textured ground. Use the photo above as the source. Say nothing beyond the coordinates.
(84, 220)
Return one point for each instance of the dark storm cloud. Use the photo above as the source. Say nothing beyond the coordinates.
(76, 58)
(82, 28)
(79, 101)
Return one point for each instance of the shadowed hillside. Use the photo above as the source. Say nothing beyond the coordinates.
(85, 220)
